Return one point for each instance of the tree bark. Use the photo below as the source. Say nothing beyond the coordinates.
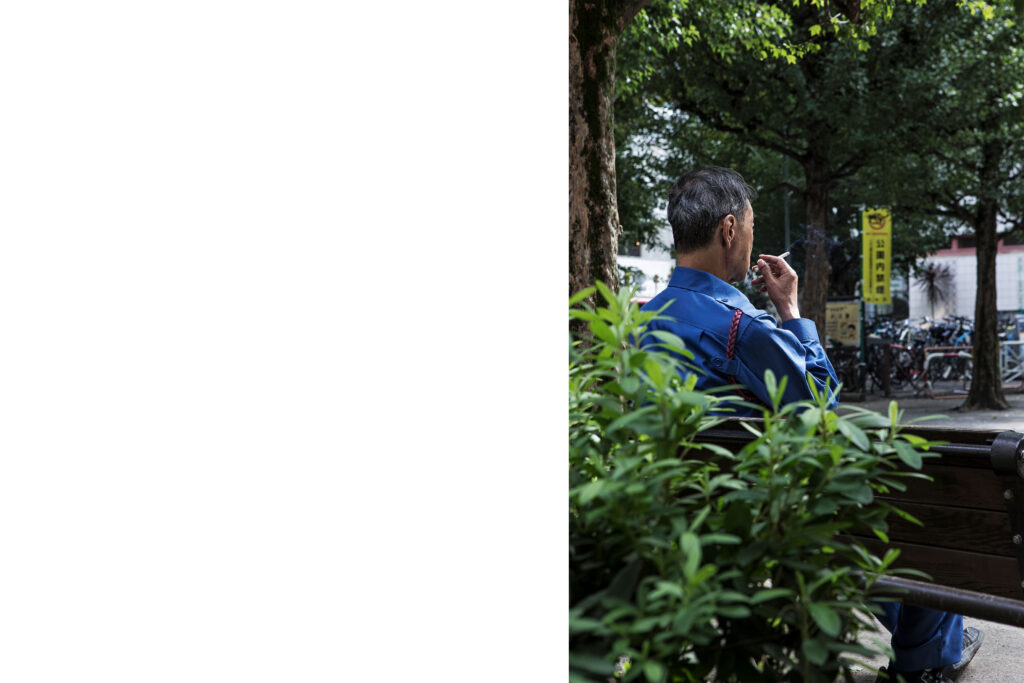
(818, 270)
(986, 392)
(594, 28)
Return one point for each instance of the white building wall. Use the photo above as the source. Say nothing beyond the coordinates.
(653, 262)
(1009, 285)
(1010, 281)
(966, 270)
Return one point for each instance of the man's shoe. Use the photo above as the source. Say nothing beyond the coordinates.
(923, 676)
(972, 641)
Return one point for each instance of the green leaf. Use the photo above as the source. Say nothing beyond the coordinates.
(862, 494)
(815, 651)
(654, 671)
(591, 490)
(603, 332)
(629, 418)
(720, 539)
(630, 385)
(915, 440)
(770, 384)
(671, 341)
(891, 556)
(770, 594)
(854, 434)
(705, 573)
(624, 583)
(823, 506)
(826, 619)
(907, 516)
(655, 542)
(581, 295)
(908, 454)
(591, 664)
(653, 370)
(647, 623)
(894, 414)
(868, 420)
(608, 294)
(690, 545)
(667, 588)
(701, 516)
(583, 625)
(581, 314)
(733, 611)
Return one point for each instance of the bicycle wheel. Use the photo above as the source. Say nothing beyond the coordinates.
(913, 368)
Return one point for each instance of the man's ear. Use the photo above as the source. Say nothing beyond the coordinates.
(727, 230)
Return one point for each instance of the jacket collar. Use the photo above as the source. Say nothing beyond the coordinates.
(705, 283)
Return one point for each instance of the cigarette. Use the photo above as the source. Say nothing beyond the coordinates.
(782, 255)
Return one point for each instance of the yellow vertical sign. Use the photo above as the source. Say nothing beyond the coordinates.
(876, 228)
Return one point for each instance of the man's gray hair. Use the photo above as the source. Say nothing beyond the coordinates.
(702, 198)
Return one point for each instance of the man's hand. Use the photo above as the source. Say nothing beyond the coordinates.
(778, 279)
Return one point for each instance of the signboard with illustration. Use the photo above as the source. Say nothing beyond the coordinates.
(876, 229)
(842, 321)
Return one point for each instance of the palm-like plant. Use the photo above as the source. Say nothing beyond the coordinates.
(935, 280)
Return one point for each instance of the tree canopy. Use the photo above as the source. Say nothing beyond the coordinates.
(825, 106)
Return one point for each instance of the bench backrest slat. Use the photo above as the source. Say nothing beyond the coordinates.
(980, 531)
(968, 536)
(953, 486)
(958, 568)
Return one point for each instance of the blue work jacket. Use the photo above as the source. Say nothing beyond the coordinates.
(701, 308)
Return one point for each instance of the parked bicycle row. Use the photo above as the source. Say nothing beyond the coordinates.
(927, 357)
(952, 331)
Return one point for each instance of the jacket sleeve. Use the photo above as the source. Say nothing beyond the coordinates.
(793, 351)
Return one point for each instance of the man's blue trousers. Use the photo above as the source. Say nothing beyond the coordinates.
(922, 638)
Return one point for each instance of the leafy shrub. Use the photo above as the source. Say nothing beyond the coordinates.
(686, 558)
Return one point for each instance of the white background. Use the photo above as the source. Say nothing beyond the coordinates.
(225, 456)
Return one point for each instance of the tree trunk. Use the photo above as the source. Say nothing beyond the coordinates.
(818, 270)
(986, 390)
(594, 28)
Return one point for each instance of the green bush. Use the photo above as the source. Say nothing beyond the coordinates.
(686, 559)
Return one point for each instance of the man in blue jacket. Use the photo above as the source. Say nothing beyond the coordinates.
(734, 343)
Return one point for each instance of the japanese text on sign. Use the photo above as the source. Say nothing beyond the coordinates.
(876, 230)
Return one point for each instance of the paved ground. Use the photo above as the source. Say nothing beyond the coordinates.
(1001, 657)
(951, 417)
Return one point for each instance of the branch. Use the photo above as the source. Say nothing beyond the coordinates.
(851, 8)
(949, 198)
(627, 10)
(715, 120)
(737, 90)
(785, 186)
(848, 168)
(955, 208)
(956, 211)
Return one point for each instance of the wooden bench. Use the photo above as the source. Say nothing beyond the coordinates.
(972, 541)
